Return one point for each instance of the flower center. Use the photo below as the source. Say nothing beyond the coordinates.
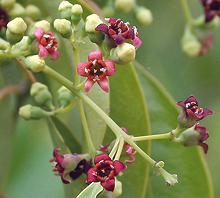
(105, 170)
(193, 106)
(49, 42)
(215, 6)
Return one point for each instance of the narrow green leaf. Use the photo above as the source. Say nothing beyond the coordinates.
(91, 191)
(67, 136)
(128, 109)
(188, 163)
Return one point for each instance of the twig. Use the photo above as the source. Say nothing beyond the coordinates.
(17, 89)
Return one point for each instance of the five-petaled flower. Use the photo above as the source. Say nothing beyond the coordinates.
(119, 32)
(69, 166)
(211, 8)
(191, 112)
(104, 171)
(4, 18)
(96, 70)
(47, 43)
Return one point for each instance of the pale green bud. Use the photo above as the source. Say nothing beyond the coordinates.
(63, 26)
(92, 21)
(77, 12)
(123, 54)
(32, 112)
(42, 95)
(65, 9)
(65, 96)
(125, 5)
(200, 23)
(33, 12)
(118, 188)
(17, 10)
(144, 16)
(44, 24)
(22, 47)
(4, 45)
(35, 63)
(7, 4)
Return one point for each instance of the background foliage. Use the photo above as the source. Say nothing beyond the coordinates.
(31, 147)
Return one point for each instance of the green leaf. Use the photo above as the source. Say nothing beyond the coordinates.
(187, 162)
(128, 109)
(91, 191)
(67, 136)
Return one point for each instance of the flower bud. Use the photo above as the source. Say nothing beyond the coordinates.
(22, 47)
(15, 30)
(65, 9)
(7, 4)
(144, 16)
(123, 54)
(17, 10)
(4, 45)
(42, 95)
(44, 24)
(118, 188)
(64, 96)
(33, 12)
(92, 21)
(63, 26)
(35, 63)
(125, 5)
(190, 44)
(77, 12)
(32, 112)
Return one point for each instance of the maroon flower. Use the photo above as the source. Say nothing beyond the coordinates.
(207, 42)
(203, 136)
(211, 8)
(105, 171)
(96, 70)
(4, 18)
(47, 43)
(191, 112)
(69, 166)
(119, 32)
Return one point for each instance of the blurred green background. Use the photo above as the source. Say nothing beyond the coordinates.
(161, 54)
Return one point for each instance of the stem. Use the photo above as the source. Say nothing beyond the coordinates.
(186, 11)
(114, 149)
(68, 107)
(76, 59)
(87, 133)
(120, 148)
(162, 136)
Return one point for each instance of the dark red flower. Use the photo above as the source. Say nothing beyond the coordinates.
(211, 8)
(119, 32)
(96, 70)
(204, 135)
(105, 171)
(47, 43)
(4, 18)
(69, 166)
(191, 112)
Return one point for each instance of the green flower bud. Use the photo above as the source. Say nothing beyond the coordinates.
(200, 23)
(33, 12)
(65, 9)
(42, 95)
(77, 12)
(143, 16)
(15, 30)
(22, 47)
(35, 63)
(32, 112)
(63, 26)
(17, 10)
(44, 24)
(92, 21)
(125, 5)
(118, 188)
(190, 44)
(64, 96)
(123, 54)
(7, 4)
(4, 45)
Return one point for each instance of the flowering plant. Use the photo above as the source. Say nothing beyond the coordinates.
(101, 107)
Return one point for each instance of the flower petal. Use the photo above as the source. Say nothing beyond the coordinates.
(101, 157)
(108, 185)
(110, 67)
(88, 85)
(119, 166)
(137, 42)
(55, 54)
(43, 51)
(38, 33)
(81, 68)
(91, 176)
(204, 146)
(102, 28)
(104, 84)
(95, 55)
